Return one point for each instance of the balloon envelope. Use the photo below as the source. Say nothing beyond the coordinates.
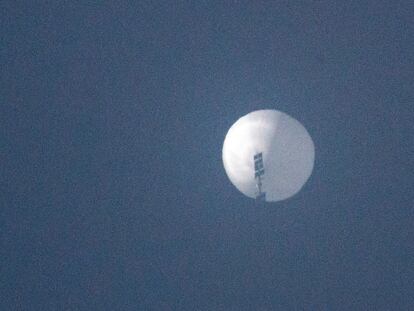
(287, 148)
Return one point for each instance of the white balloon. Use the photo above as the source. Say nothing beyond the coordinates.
(287, 148)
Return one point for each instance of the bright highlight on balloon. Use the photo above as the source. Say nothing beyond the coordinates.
(268, 155)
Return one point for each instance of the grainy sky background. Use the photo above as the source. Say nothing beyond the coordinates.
(113, 193)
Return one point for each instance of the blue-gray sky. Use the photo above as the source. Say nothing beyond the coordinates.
(113, 193)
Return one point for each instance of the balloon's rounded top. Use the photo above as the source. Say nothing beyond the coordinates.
(286, 149)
